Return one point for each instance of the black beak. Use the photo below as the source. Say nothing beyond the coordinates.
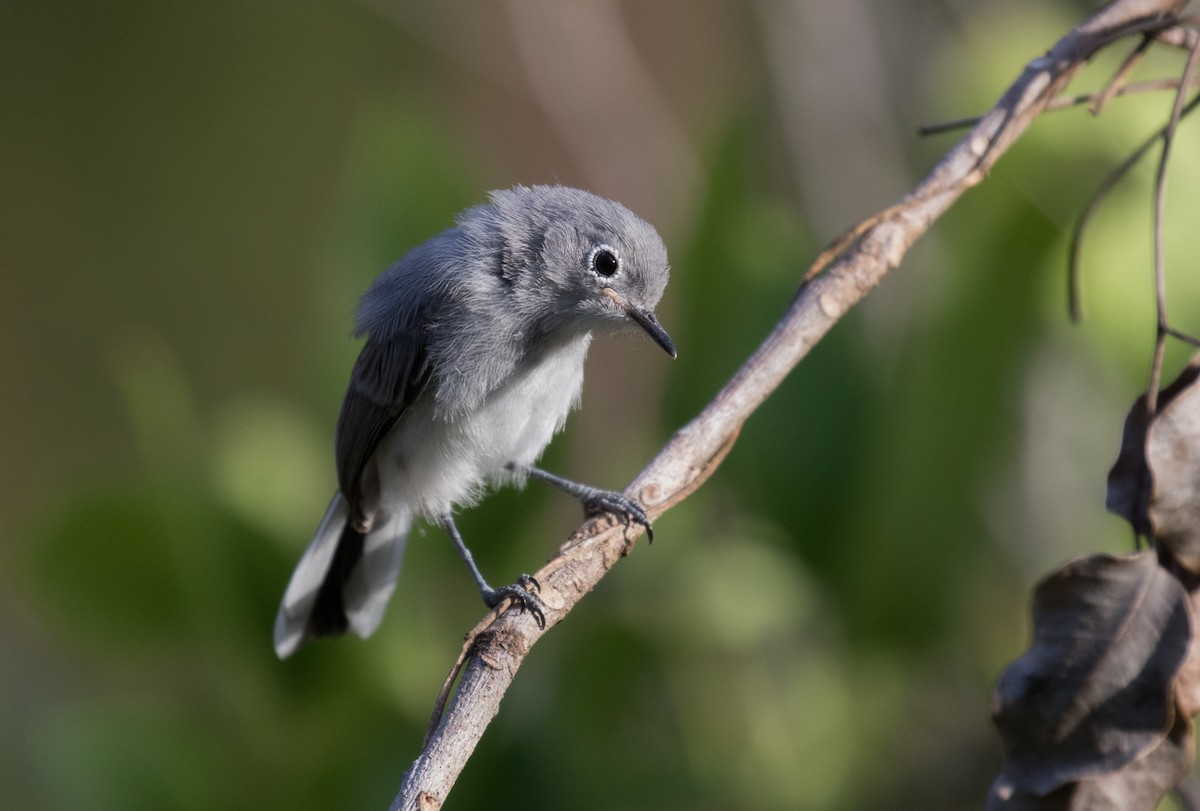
(644, 319)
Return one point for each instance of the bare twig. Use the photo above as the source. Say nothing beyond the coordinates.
(1160, 203)
(1191, 340)
(1075, 245)
(1117, 81)
(696, 449)
(1183, 35)
(1066, 102)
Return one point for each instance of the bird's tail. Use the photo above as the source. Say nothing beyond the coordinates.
(344, 580)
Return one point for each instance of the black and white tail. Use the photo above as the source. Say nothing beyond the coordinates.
(345, 579)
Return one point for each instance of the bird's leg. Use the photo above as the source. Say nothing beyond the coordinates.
(521, 592)
(593, 499)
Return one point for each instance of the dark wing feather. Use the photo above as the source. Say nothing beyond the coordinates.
(389, 375)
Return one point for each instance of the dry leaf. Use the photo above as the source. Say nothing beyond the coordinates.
(1140, 784)
(1094, 692)
(1135, 480)
(1173, 455)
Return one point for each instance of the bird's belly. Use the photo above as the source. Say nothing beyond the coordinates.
(434, 463)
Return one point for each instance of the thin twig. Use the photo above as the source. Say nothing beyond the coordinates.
(439, 705)
(1182, 35)
(1096, 100)
(1065, 103)
(1182, 336)
(1075, 245)
(1160, 204)
(1116, 81)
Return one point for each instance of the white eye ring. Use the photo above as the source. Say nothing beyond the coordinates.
(604, 261)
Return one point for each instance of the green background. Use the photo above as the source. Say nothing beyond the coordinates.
(194, 195)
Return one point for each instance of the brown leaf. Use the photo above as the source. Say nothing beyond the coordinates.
(1187, 680)
(1128, 490)
(1130, 481)
(1140, 784)
(1094, 691)
(1187, 793)
(1144, 782)
(1004, 796)
(1173, 455)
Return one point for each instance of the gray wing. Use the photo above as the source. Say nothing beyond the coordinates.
(389, 375)
(348, 572)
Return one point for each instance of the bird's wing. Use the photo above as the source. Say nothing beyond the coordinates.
(389, 375)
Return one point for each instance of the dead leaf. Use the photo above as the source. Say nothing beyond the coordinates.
(1128, 492)
(1094, 692)
(1142, 783)
(1187, 680)
(1131, 482)
(1138, 786)
(1173, 455)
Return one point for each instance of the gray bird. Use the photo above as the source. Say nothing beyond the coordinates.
(474, 352)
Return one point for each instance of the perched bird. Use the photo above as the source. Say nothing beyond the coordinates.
(474, 352)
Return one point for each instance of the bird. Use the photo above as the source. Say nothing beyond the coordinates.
(473, 358)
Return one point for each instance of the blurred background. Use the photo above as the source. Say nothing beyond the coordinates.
(194, 195)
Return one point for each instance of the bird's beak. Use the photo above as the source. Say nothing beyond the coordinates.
(646, 320)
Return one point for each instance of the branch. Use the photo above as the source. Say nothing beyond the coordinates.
(1075, 244)
(1092, 100)
(498, 646)
(1160, 204)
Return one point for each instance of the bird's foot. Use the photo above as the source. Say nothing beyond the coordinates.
(600, 501)
(594, 500)
(523, 593)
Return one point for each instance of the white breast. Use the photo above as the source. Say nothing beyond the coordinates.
(429, 463)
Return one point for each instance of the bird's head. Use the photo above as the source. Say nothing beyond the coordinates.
(585, 262)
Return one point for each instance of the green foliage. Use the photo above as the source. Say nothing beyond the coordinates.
(818, 627)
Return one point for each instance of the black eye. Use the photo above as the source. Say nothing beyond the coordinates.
(605, 261)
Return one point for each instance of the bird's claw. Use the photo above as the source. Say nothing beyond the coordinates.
(523, 594)
(621, 504)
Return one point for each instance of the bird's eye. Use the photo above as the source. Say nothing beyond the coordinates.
(604, 261)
